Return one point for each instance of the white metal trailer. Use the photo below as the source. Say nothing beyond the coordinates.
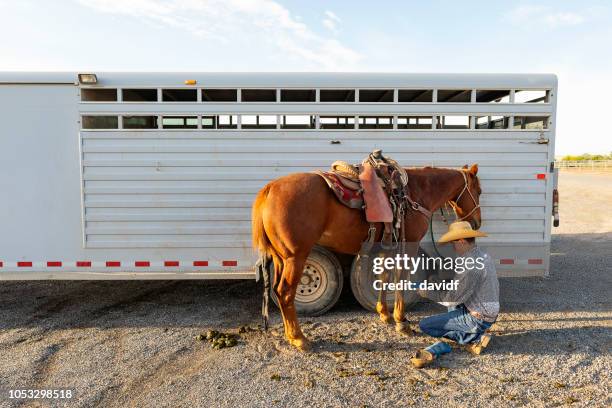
(152, 175)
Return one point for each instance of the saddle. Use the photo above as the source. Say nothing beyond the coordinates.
(379, 185)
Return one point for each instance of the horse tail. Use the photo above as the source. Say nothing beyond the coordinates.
(261, 243)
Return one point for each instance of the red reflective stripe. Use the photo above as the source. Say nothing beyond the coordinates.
(200, 263)
(24, 264)
(535, 262)
(541, 176)
(113, 264)
(54, 264)
(82, 264)
(171, 263)
(506, 261)
(229, 263)
(142, 263)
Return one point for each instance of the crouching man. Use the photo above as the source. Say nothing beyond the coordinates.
(473, 307)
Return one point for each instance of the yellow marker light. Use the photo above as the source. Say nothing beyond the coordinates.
(190, 82)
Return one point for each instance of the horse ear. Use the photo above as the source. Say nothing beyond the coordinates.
(474, 169)
(465, 166)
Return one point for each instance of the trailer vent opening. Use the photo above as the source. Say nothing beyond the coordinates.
(140, 122)
(209, 122)
(414, 122)
(139, 95)
(298, 95)
(98, 95)
(180, 122)
(258, 121)
(415, 95)
(259, 95)
(220, 122)
(531, 96)
(100, 122)
(337, 122)
(530, 122)
(179, 95)
(297, 122)
(493, 96)
(227, 122)
(455, 95)
(453, 122)
(219, 95)
(492, 122)
(376, 95)
(337, 95)
(375, 122)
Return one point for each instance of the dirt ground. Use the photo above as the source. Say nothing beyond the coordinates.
(123, 344)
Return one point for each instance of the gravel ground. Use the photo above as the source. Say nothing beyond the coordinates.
(133, 343)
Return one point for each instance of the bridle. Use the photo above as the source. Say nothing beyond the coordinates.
(454, 205)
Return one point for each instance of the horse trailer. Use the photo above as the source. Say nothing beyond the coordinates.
(110, 175)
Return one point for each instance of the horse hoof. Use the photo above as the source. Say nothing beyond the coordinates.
(302, 344)
(403, 327)
(386, 319)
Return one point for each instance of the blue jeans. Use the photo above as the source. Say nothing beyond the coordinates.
(457, 325)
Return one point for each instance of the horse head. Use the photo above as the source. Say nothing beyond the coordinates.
(467, 202)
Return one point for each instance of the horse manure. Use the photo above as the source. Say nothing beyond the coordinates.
(248, 329)
(558, 384)
(371, 372)
(211, 334)
(343, 372)
(413, 381)
(571, 400)
(437, 381)
(275, 377)
(218, 340)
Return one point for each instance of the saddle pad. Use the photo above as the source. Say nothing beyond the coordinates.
(350, 198)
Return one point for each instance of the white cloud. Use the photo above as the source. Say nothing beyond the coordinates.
(531, 16)
(331, 21)
(235, 21)
(561, 19)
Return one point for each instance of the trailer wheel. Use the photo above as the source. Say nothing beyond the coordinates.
(363, 289)
(320, 286)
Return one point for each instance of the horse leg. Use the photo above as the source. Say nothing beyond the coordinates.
(381, 304)
(285, 291)
(401, 324)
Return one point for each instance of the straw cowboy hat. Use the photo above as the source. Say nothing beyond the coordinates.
(460, 230)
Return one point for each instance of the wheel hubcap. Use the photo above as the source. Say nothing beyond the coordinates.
(312, 284)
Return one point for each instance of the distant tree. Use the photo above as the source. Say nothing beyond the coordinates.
(587, 156)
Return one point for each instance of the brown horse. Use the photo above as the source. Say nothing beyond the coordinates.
(294, 213)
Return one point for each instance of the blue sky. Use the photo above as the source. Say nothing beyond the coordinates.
(569, 38)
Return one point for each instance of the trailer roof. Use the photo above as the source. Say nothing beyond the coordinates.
(288, 79)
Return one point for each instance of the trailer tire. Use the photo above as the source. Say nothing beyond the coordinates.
(320, 286)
